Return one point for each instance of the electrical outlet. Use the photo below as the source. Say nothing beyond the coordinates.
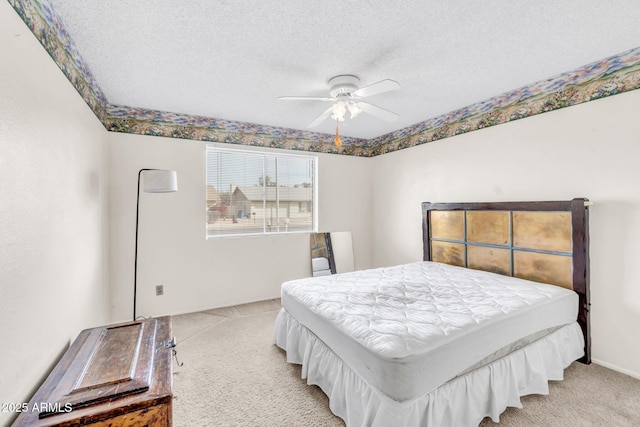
(159, 290)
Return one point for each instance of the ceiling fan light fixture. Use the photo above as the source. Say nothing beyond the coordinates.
(354, 109)
(338, 111)
(345, 94)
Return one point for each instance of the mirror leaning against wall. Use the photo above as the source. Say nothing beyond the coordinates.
(331, 253)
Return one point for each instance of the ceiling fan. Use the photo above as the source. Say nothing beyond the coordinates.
(346, 94)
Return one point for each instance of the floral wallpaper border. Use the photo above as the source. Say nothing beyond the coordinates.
(610, 76)
(52, 35)
(174, 125)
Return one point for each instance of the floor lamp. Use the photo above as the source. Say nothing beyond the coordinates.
(153, 181)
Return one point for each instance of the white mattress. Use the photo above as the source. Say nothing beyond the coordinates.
(408, 329)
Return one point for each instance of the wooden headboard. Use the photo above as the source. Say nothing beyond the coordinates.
(541, 241)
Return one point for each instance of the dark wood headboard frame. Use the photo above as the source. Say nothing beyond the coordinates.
(578, 208)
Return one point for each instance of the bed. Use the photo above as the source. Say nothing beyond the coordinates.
(497, 308)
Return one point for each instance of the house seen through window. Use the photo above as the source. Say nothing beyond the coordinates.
(250, 192)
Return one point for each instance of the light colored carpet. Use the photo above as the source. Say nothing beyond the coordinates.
(233, 375)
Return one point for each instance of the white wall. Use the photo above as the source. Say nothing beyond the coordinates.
(198, 273)
(591, 150)
(53, 247)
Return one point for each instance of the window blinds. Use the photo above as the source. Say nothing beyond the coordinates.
(250, 192)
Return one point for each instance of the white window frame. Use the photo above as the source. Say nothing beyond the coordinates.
(278, 155)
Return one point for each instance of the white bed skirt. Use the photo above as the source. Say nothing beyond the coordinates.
(463, 401)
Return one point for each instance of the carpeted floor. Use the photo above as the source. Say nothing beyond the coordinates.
(233, 375)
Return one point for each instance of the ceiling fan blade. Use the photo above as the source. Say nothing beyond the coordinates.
(378, 112)
(304, 98)
(322, 117)
(376, 88)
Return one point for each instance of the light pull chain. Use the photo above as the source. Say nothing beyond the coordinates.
(337, 139)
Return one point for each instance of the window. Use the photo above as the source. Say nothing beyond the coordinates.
(251, 192)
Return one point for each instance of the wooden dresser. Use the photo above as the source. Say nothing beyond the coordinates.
(118, 375)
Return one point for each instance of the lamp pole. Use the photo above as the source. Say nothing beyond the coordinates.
(135, 264)
(160, 181)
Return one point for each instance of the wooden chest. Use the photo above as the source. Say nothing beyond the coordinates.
(118, 375)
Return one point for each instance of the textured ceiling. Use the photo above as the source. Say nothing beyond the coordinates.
(230, 60)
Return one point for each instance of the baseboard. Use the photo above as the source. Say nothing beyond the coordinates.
(616, 368)
(208, 307)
